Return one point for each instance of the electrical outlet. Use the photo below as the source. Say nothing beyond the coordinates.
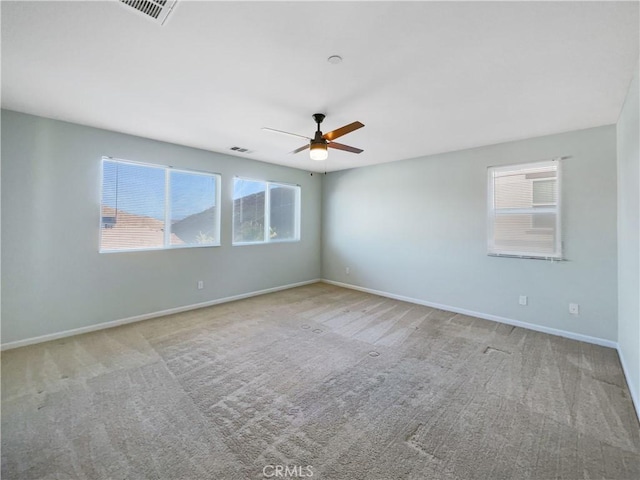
(200, 284)
(574, 309)
(522, 300)
(347, 270)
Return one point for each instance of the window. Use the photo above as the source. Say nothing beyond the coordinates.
(524, 210)
(265, 212)
(156, 207)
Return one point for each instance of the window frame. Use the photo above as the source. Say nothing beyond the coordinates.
(492, 251)
(267, 212)
(167, 206)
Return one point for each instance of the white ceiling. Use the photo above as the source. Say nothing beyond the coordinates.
(424, 77)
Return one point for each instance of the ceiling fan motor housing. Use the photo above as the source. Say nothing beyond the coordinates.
(318, 140)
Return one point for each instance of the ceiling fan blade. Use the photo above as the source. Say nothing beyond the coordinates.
(284, 133)
(342, 131)
(298, 150)
(346, 148)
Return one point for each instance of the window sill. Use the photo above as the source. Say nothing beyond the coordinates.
(152, 249)
(529, 257)
(245, 244)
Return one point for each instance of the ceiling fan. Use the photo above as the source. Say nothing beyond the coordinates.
(318, 144)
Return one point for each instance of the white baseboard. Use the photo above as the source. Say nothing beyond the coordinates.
(517, 323)
(634, 396)
(530, 326)
(146, 316)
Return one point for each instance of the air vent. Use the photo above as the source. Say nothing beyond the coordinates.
(240, 150)
(156, 10)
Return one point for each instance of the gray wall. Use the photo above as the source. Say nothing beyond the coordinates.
(629, 238)
(54, 279)
(417, 228)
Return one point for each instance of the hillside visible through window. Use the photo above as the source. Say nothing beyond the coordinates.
(265, 212)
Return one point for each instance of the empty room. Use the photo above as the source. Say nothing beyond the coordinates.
(330, 240)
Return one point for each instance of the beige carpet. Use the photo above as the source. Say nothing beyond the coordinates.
(352, 385)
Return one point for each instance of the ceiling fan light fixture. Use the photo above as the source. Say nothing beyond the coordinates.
(318, 151)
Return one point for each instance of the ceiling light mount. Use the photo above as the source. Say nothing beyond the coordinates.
(334, 59)
(318, 118)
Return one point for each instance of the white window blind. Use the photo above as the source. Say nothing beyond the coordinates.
(524, 210)
(265, 212)
(147, 207)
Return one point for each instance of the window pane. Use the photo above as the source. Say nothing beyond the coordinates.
(136, 213)
(525, 233)
(544, 192)
(133, 199)
(525, 187)
(248, 211)
(193, 208)
(283, 221)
